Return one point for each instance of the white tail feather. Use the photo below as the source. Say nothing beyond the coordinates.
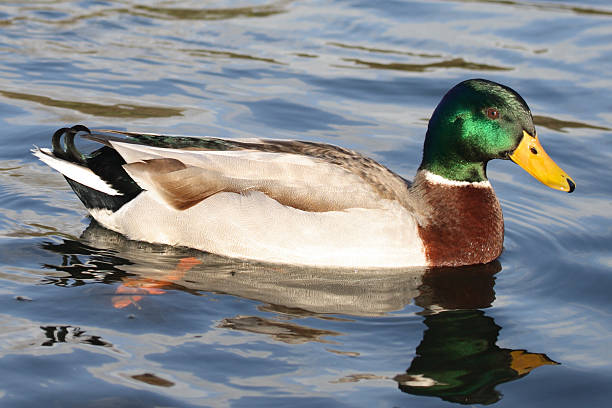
(73, 171)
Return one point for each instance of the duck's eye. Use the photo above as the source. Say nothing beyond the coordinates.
(492, 113)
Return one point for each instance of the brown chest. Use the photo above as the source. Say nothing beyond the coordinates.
(460, 224)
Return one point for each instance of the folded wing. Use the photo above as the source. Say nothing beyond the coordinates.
(182, 178)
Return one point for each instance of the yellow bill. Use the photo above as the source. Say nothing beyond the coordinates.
(531, 156)
(523, 362)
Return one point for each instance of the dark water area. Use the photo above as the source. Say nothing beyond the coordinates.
(90, 319)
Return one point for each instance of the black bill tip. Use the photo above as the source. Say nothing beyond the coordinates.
(572, 186)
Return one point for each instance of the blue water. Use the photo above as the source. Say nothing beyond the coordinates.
(90, 319)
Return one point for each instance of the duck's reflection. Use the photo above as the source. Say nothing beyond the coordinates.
(457, 360)
(143, 269)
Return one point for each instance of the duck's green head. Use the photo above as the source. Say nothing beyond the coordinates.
(480, 120)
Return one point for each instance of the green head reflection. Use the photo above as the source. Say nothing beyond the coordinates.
(458, 359)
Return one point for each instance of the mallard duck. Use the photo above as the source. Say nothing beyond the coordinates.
(307, 203)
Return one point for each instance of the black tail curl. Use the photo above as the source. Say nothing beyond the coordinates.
(105, 162)
(68, 150)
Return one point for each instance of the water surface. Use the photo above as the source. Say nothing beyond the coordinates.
(90, 319)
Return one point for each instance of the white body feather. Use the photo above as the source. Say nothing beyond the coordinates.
(254, 226)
